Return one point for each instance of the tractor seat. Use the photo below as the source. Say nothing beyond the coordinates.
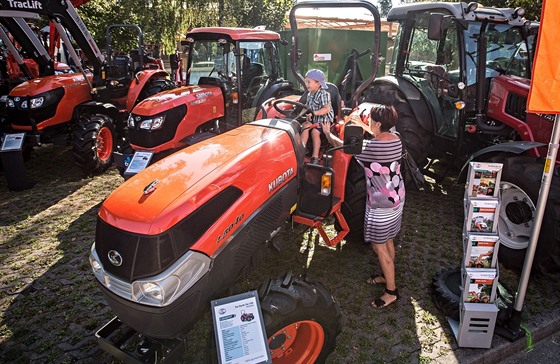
(121, 67)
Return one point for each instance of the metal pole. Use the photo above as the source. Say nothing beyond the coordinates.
(515, 321)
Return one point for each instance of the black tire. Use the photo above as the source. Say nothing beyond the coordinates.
(519, 186)
(416, 138)
(93, 143)
(354, 205)
(446, 292)
(301, 307)
(155, 86)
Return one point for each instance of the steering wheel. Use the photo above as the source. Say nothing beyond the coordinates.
(297, 113)
(220, 73)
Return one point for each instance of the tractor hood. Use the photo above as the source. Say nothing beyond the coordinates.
(190, 96)
(71, 82)
(256, 158)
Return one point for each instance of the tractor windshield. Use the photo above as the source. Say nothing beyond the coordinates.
(507, 51)
(212, 58)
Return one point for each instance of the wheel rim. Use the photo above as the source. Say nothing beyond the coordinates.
(516, 217)
(104, 144)
(300, 342)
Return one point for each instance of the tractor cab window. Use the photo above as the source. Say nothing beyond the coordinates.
(433, 65)
(215, 58)
(507, 53)
(256, 68)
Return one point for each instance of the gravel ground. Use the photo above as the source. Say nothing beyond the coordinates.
(51, 306)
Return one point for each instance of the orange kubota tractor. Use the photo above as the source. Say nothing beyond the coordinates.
(230, 72)
(182, 231)
(88, 111)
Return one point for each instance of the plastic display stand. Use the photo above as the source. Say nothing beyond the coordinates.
(11, 157)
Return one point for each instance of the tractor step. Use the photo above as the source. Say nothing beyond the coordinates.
(130, 346)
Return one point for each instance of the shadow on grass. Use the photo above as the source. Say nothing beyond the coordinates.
(51, 305)
(55, 175)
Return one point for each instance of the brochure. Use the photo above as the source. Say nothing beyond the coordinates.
(481, 251)
(482, 216)
(480, 285)
(484, 179)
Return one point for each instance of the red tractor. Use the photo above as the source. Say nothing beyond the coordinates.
(460, 77)
(182, 231)
(88, 111)
(230, 73)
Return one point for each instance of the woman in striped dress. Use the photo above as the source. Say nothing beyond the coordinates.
(381, 159)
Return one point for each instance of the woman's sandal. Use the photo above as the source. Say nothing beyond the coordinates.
(379, 303)
(375, 279)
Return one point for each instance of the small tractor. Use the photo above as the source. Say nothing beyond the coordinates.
(182, 231)
(87, 110)
(230, 73)
(460, 78)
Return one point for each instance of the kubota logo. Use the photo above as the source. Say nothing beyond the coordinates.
(280, 179)
(115, 258)
(29, 4)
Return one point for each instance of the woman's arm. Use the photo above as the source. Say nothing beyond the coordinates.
(335, 142)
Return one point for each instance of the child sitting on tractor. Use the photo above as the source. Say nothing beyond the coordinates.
(319, 101)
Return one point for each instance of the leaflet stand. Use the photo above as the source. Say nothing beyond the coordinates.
(12, 161)
(482, 200)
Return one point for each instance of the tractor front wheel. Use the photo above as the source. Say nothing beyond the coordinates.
(156, 86)
(93, 143)
(302, 319)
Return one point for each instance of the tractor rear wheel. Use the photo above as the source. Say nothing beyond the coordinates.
(93, 142)
(415, 137)
(519, 186)
(354, 205)
(302, 319)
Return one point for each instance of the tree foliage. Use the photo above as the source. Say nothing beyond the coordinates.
(384, 7)
(167, 21)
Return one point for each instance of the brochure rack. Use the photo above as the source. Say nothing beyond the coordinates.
(480, 272)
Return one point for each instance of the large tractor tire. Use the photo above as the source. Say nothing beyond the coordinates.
(446, 292)
(416, 138)
(302, 319)
(519, 186)
(93, 143)
(156, 86)
(354, 205)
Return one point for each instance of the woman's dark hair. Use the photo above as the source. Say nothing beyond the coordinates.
(386, 115)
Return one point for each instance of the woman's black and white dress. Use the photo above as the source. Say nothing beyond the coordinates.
(381, 160)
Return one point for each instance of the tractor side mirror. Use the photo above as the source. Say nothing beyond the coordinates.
(353, 138)
(435, 26)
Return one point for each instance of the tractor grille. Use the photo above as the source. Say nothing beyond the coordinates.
(148, 255)
(153, 138)
(516, 106)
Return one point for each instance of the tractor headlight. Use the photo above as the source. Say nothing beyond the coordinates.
(37, 102)
(130, 121)
(154, 123)
(164, 288)
(10, 103)
(159, 290)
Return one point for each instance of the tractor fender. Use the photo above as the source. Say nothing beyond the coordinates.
(515, 147)
(95, 107)
(137, 85)
(418, 103)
